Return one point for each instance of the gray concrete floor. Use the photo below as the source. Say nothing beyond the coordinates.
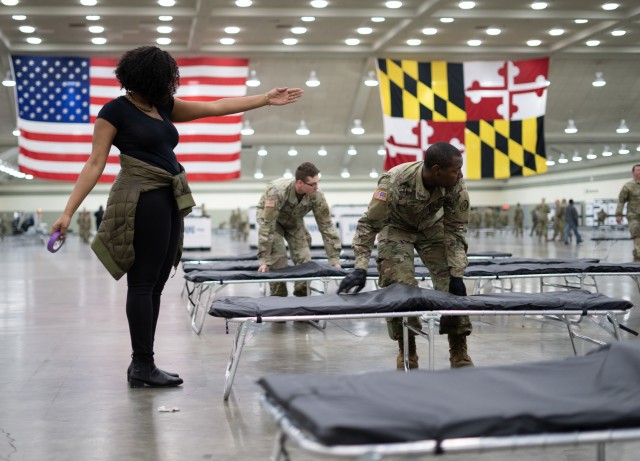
(64, 350)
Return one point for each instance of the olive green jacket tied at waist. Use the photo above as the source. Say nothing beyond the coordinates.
(114, 242)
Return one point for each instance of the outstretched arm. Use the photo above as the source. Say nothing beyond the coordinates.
(185, 111)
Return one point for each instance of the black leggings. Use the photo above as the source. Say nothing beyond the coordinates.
(155, 242)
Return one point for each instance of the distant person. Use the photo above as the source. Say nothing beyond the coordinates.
(571, 223)
(98, 215)
(630, 194)
(602, 215)
(518, 220)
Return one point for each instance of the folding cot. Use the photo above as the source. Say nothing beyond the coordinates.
(609, 242)
(591, 399)
(407, 301)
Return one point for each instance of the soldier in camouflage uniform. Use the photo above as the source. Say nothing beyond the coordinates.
(518, 221)
(84, 225)
(630, 194)
(542, 213)
(489, 217)
(280, 216)
(421, 206)
(475, 221)
(558, 220)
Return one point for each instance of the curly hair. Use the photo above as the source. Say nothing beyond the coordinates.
(441, 153)
(306, 170)
(151, 72)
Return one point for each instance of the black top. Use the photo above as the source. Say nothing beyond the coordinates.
(142, 136)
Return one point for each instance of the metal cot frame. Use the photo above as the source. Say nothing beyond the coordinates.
(289, 431)
(245, 324)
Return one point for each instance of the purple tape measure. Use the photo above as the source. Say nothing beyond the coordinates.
(55, 242)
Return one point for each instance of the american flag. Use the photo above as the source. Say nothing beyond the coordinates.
(58, 99)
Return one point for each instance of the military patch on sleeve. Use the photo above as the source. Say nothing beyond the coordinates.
(269, 203)
(464, 206)
(380, 195)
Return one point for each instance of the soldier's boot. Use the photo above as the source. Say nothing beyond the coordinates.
(413, 354)
(458, 356)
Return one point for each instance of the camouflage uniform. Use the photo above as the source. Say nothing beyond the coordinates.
(280, 217)
(559, 221)
(630, 194)
(542, 212)
(602, 215)
(84, 225)
(518, 220)
(475, 221)
(489, 216)
(406, 216)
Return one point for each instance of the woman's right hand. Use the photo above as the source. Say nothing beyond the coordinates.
(62, 224)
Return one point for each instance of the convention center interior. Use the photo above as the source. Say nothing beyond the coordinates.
(319, 229)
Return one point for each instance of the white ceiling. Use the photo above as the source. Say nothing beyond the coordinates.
(329, 109)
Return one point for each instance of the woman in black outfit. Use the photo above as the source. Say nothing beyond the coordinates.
(141, 234)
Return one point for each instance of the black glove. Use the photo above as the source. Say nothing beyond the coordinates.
(356, 280)
(456, 286)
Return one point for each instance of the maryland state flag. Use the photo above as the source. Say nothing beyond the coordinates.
(493, 111)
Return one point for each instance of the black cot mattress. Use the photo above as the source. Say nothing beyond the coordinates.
(406, 298)
(598, 391)
(311, 269)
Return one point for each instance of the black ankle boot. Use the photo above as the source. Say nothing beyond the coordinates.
(146, 373)
(175, 375)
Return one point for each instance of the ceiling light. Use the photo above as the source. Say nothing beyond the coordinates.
(610, 6)
(227, 40)
(377, 19)
(466, 5)
(34, 40)
(290, 41)
(357, 127)
(606, 152)
(622, 128)
(10, 2)
(591, 155)
(313, 81)
(364, 30)
(550, 161)
(243, 3)
(493, 31)
(638, 147)
(246, 129)
(262, 151)
(345, 173)
(253, 80)
(373, 174)
(352, 150)
(319, 3)
(538, 5)
(599, 80)
(287, 174)
(8, 80)
(166, 3)
(307, 19)
(16, 132)
(446, 20)
(352, 41)
(414, 42)
(298, 30)
(562, 159)
(322, 152)
(571, 127)
(88, 2)
(302, 129)
(97, 29)
(393, 4)
(576, 157)
(624, 150)
(429, 31)
(474, 42)
(18, 17)
(163, 41)
(160, 18)
(534, 42)
(27, 29)
(98, 40)
(292, 151)
(592, 42)
(618, 33)
(581, 21)
(230, 30)
(556, 32)
(382, 150)
(371, 79)
(258, 174)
